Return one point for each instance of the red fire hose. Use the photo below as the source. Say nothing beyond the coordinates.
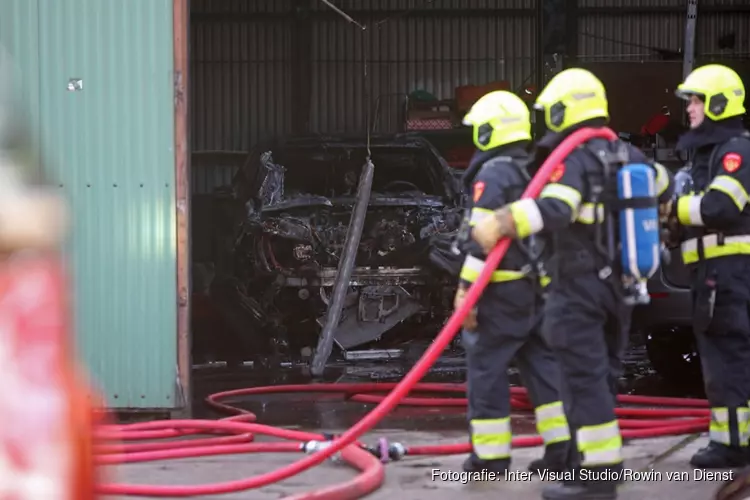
(693, 414)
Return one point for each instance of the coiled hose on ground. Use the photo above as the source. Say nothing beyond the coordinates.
(637, 423)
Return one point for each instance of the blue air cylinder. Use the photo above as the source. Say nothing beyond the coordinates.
(639, 225)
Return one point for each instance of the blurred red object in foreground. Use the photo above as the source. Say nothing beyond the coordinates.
(46, 417)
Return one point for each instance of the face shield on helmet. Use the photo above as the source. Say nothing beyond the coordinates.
(498, 118)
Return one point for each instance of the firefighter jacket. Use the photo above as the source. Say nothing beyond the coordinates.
(570, 206)
(716, 214)
(501, 179)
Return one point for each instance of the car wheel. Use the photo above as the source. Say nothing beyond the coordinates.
(674, 355)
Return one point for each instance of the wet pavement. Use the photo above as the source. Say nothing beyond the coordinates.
(414, 477)
(657, 468)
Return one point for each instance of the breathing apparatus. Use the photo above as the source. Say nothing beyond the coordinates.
(575, 97)
(630, 192)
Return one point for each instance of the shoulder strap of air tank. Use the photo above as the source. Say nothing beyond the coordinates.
(616, 153)
(520, 166)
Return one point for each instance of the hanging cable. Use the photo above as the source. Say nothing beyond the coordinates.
(344, 15)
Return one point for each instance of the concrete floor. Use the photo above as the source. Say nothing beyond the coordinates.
(412, 478)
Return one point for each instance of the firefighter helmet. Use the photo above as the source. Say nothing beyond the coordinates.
(498, 118)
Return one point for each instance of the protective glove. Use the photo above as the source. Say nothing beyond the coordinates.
(491, 229)
(470, 322)
(670, 223)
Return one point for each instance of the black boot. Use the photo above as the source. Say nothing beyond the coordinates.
(555, 458)
(719, 456)
(476, 464)
(595, 483)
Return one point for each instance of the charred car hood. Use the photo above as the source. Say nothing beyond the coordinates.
(376, 200)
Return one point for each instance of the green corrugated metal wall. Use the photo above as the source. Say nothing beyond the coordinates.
(111, 147)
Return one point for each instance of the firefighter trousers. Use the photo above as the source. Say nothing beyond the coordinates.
(586, 324)
(509, 330)
(724, 346)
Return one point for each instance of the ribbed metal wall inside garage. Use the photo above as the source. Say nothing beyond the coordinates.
(435, 54)
(631, 30)
(241, 62)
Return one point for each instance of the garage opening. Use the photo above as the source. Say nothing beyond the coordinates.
(288, 100)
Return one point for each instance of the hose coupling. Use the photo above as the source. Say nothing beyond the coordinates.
(315, 446)
(386, 451)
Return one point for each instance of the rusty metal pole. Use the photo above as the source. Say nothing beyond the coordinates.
(181, 17)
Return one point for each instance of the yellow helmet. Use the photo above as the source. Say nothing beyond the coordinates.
(571, 97)
(499, 118)
(720, 88)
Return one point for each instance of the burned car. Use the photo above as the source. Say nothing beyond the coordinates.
(339, 237)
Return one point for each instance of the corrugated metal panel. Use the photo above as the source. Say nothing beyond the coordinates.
(417, 6)
(19, 36)
(112, 147)
(713, 26)
(640, 4)
(629, 36)
(626, 37)
(240, 75)
(206, 179)
(434, 54)
(240, 6)
(633, 4)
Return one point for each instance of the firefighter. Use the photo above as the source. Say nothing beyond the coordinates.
(716, 248)
(585, 316)
(506, 322)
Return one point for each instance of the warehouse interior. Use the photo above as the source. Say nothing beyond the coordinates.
(269, 70)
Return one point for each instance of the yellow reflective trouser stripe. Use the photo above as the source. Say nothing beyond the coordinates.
(730, 187)
(732, 245)
(719, 430)
(551, 423)
(600, 444)
(689, 210)
(478, 214)
(662, 178)
(473, 267)
(526, 217)
(586, 213)
(491, 438)
(563, 193)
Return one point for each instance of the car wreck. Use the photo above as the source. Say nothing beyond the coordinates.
(340, 241)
